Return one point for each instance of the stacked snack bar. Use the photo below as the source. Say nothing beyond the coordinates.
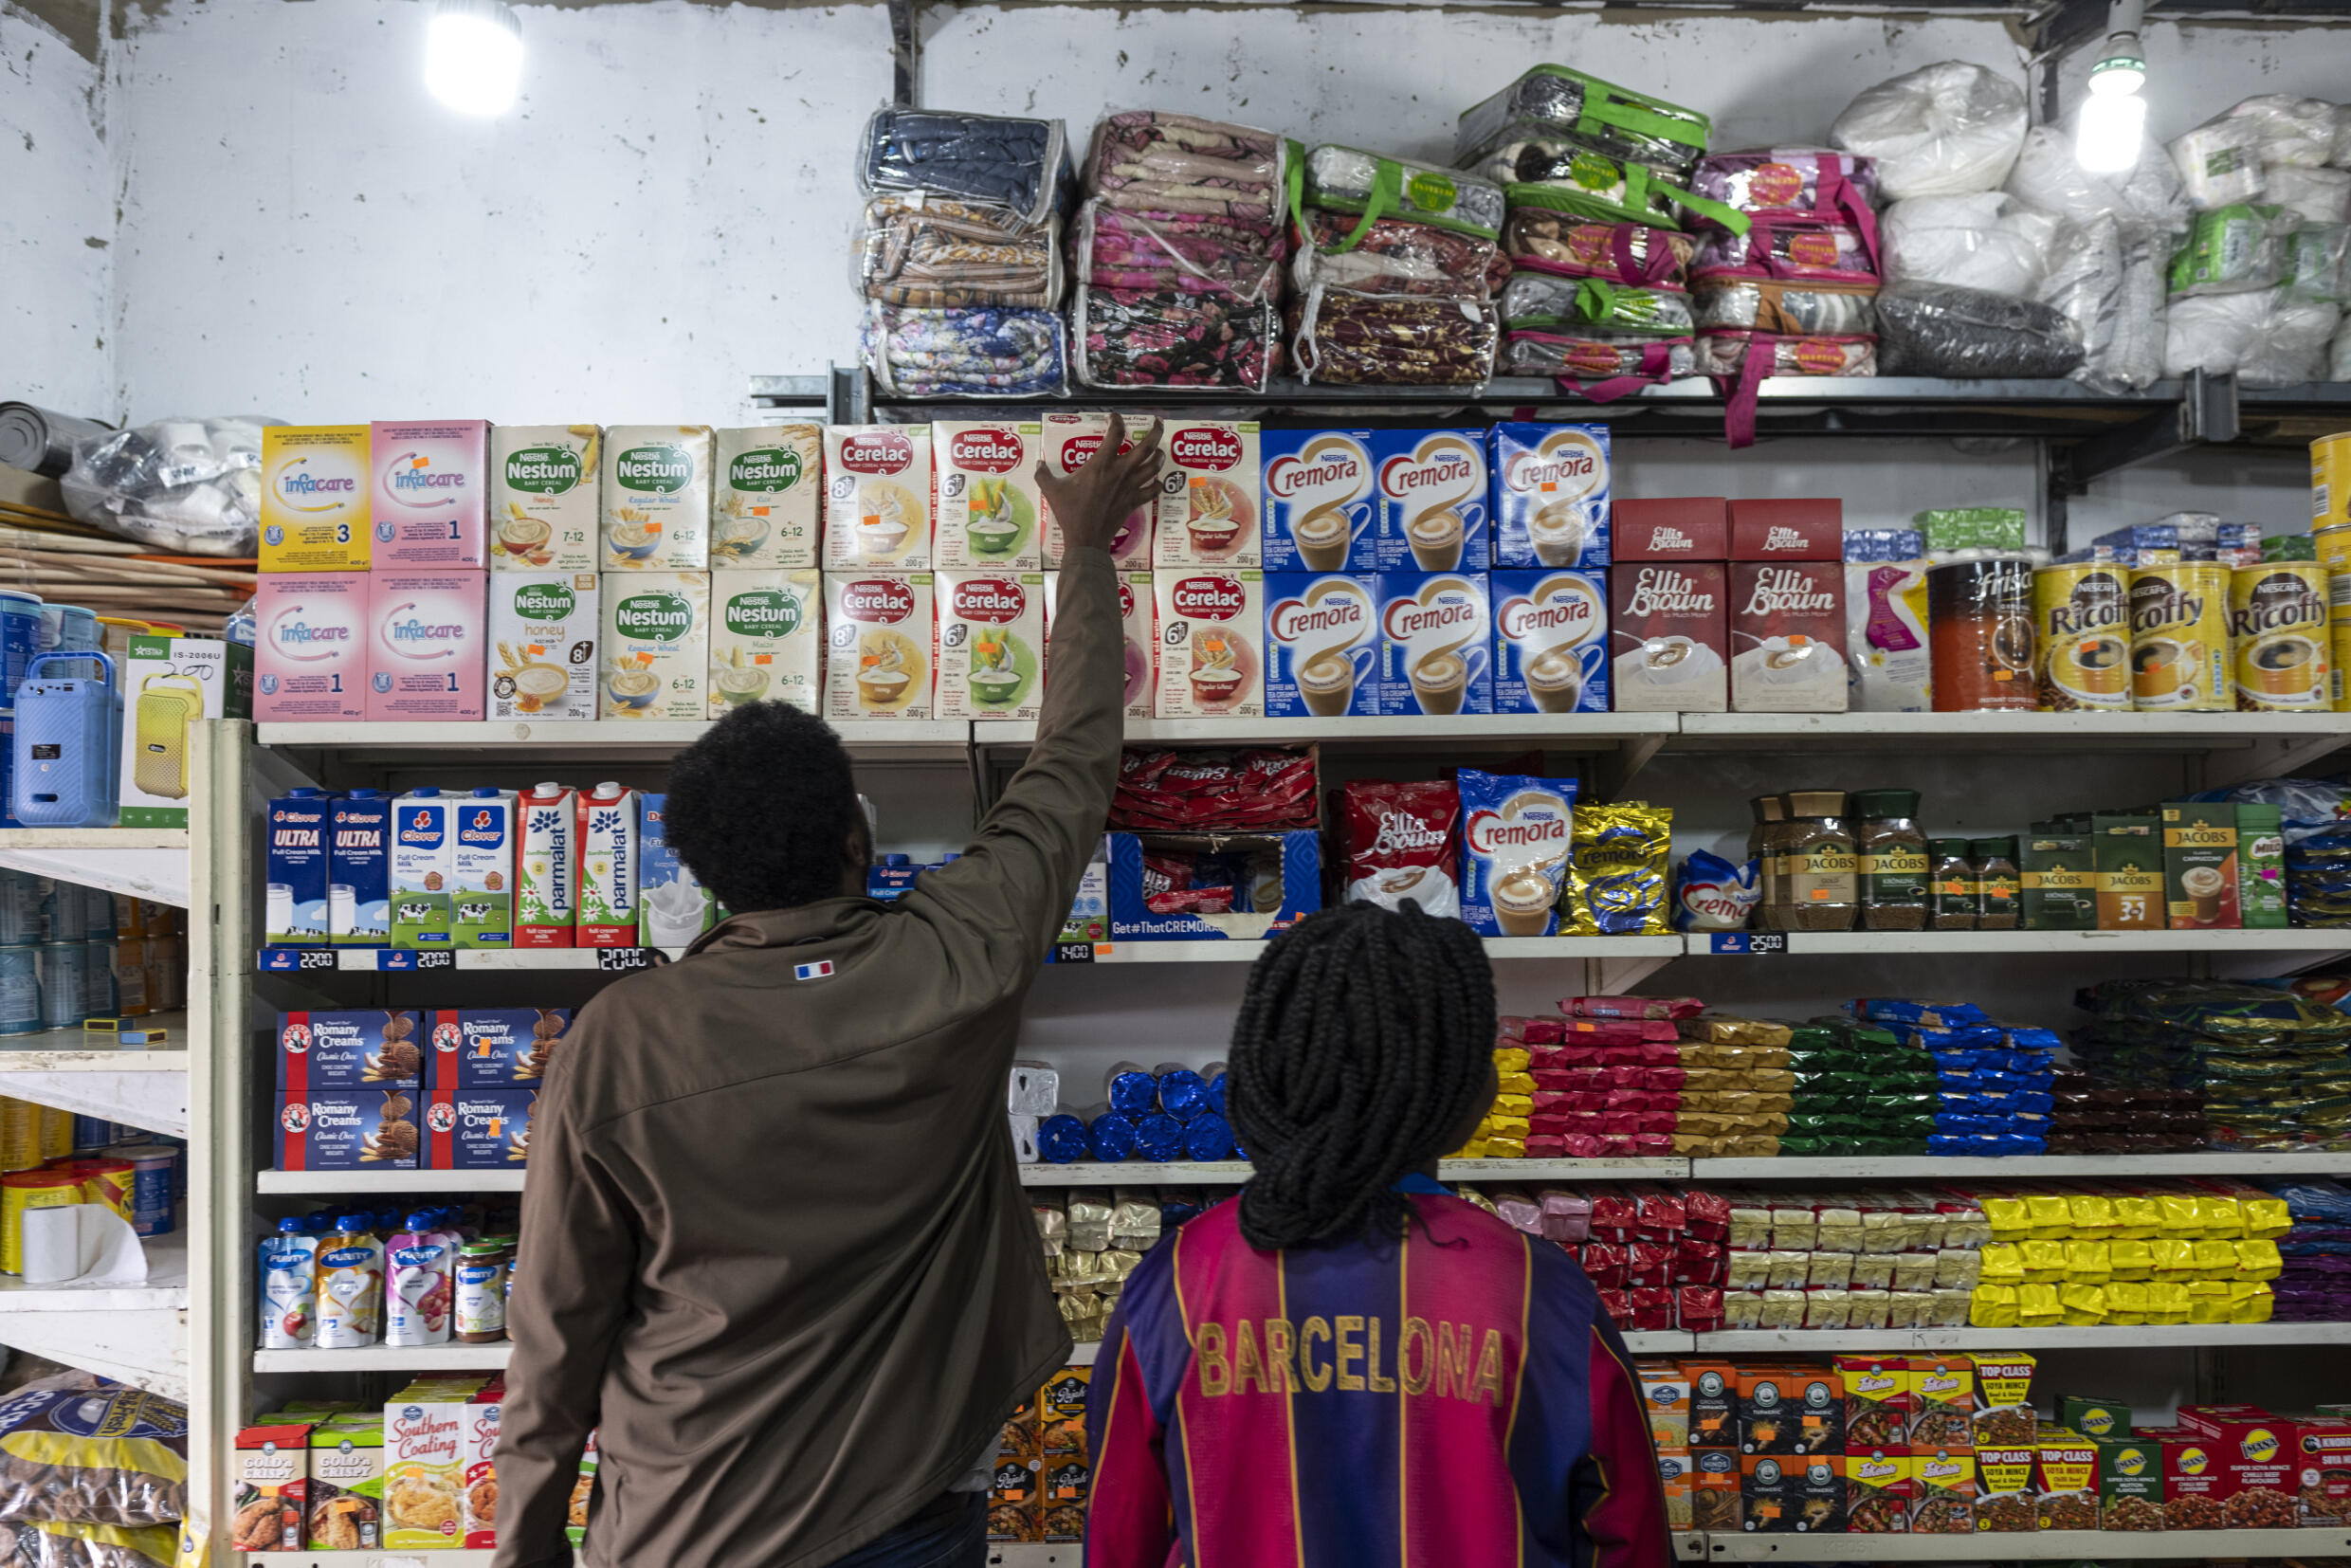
(1993, 1079)
(1177, 252)
(1603, 1081)
(1044, 1473)
(959, 254)
(1093, 1239)
(2272, 1066)
(2314, 1282)
(1654, 1254)
(1737, 1086)
(1857, 1089)
(1878, 1258)
(1594, 177)
(2089, 1118)
(2088, 1253)
(1417, 309)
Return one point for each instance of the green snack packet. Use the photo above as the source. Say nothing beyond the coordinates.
(2261, 866)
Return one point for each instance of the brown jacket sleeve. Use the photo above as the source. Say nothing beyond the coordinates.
(563, 1315)
(1015, 883)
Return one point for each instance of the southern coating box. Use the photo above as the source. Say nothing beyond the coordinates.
(478, 1129)
(348, 1050)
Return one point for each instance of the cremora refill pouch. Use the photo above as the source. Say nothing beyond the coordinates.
(1516, 834)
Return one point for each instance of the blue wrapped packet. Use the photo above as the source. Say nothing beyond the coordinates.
(1713, 894)
(1131, 1090)
(1112, 1135)
(1882, 1009)
(1207, 1137)
(1061, 1140)
(1159, 1136)
(1183, 1094)
(1217, 1077)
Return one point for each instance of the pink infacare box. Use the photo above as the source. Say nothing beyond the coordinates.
(424, 647)
(427, 494)
(310, 656)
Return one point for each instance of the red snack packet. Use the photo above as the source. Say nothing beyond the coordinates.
(1532, 1033)
(1645, 1262)
(1620, 1032)
(1699, 1307)
(1651, 1145)
(1612, 1210)
(1708, 1213)
(1618, 1306)
(1631, 1007)
(1668, 1079)
(1698, 1262)
(1546, 1146)
(1605, 1264)
(1653, 1309)
(1659, 1206)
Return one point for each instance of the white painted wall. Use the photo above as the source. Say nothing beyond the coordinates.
(56, 223)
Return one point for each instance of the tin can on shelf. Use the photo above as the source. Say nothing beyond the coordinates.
(2081, 617)
(107, 1182)
(2330, 482)
(1979, 624)
(2179, 637)
(24, 1189)
(20, 991)
(154, 1209)
(20, 1135)
(2279, 637)
(132, 998)
(56, 1134)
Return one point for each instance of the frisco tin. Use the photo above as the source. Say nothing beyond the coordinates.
(984, 496)
(877, 498)
(546, 884)
(606, 872)
(766, 504)
(427, 502)
(1436, 642)
(546, 507)
(425, 653)
(1550, 495)
(310, 655)
(767, 638)
(881, 645)
(990, 644)
(1209, 495)
(314, 511)
(1321, 491)
(1432, 502)
(1550, 642)
(657, 497)
(1209, 623)
(1321, 645)
(543, 632)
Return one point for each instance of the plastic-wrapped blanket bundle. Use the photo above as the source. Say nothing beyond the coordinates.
(1536, 301)
(1608, 119)
(1354, 339)
(1176, 252)
(2147, 200)
(1790, 185)
(1948, 129)
(971, 352)
(935, 253)
(2295, 133)
(1833, 254)
(1752, 355)
(2315, 195)
(1583, 248)
(1346, 179)
(2290, 347)
(1938, 330)
(1016, 164)
(1604, 360)
(1395, 258)
(1790, 309)
(1988, 241)
(2112, 291)
(2339, 355)
(1553, 172)
(1131, 337)
(2314, 271)
(1147, 161)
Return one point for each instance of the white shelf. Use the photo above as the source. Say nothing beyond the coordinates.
(396, 1559)
(1083, 1354)
(1827, 1341)
(1497, 948)
(165, 1287)
(451, 1356)
(1232, 1173)
(1673, 1341)
(85, 1050)
(2017, 731)
(2070, 944)
(388, 1181)
(593, 738)
(1553, 731)
(2020, 1167)
(2043, 1545)
(143, 863)
(501, 960)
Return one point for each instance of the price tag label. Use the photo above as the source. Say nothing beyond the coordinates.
(437, 958)
(1753, 944)
(317, 958)
(1073, 953)
(288, 960)
(622, 959)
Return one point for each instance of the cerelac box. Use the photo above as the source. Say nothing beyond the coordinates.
(880, 645)
(310, 654)
(1321, 645)
(1070, 440)
(1432, 507)
(1208, 496)
(314, 513)
(990, 644)
(985, 506)
(1135, 620)
(428, 499)
(877, 498)
(1210, 623)
(425, 645)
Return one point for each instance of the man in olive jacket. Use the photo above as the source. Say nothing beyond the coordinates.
(774, 1249)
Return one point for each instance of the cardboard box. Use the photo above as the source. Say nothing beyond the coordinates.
(2257, 1456)
(880, 646)
(543, 627)
(2094, 1417)
(1550, 642)
(170, 684)
(489, 1048)
(1666, 1395)
(367, 1129)
(349, 1050)
(1943, 1403)
(1070, 442)
(1321, 492)
(767, 639)
(1670, 637)
(1551, 494)
(1436, 644)
(2066, 1482)
(546, 892)
(1878, 1490)
(2127, 858)
(1797, 1494)
(2323, 1450)
(478, 1129)
(425, 649)
(314, 512)
(604, 869)
(2005, 1481)
(1677, 1474)
(1715, 1503)
(482, 887)
(546, 498)
(1293, 859)
(1208, 495)
(346, 1483)
(673, 907)
(1694, 528)
(1791, 1410)
(2200, 866)
(657, 498)
(655, 631)
(479, 1454)
(424, 1429)
(1060, 1410)
(767, 498)
(422, 867)
(2060, 887)
(1432, 502)
(2130, 1481)
(877, 498)
(1877, 1403)
(310, 650)
(1787, 530)
(271, 1493)
(1209, 623)
(429, 498)
(988, 513)
(2004, 1415)
(1942, 1491)
(1714, 1404)
(2194, 1480)
(359, 871)
(1787, 636)
(297, 870)
(1135, 612)
(2261, 868)
(990, 644)
(1323, 645)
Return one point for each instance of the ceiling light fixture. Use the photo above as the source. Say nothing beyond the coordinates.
(473, 55)
(2114, 117)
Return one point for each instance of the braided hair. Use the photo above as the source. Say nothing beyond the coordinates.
(1363, 1041)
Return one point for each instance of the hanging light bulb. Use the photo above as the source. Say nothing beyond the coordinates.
(2114, 117)
(473, 55)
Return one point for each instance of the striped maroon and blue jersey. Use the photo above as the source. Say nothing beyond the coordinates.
(1458, 1400)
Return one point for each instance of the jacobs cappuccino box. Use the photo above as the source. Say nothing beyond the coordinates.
(310, 650)
(877, 498)
(314, 512)
(986, 509)
(424, 653)
(1436, 642)
(543, 645)
(1070, 440)
(1209, 623)
(657, 497)
(1321, 492)
(1550, 642)
(1669, 636)
(1550, 495)
(990, 644)
(1321, 645)
(880, 643)
(1432, 511)
(428, 501)
(767, 639)
(2200, 866)
(1208, 495)
(546, 502)
(766, 505)
(656, 636)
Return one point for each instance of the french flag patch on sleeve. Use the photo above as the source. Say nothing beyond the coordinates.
(821, 970)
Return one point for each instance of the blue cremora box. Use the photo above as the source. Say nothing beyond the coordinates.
(1433, 501)
(1131, 919)
(1320, 497)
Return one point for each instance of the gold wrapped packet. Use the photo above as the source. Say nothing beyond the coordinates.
(1618, 871)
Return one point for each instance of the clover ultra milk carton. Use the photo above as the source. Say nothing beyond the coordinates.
(767, 508)
(543, 645)
(767, 639)
(546, 498)
(986, 508)
(657, 497)
(877, 498)
(990, 644)
(880, 645)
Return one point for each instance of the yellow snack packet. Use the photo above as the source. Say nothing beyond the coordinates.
(2131, 1259)
(2049, 1214)
(2090, 1262)
(2038, 1307)
(2257, 1258)
(1618, 872)
(2137, 1214)
(2266, 1218)
(2174, 1259)
(2083, 1305)
(2182, 1215)
(2093, 1213)
(2208, 1301)
(2222, 1215)
(2214, 1258)
(2250, 1302)
(2167, 1302)
(1504, 1148)
(1513, 1059)
(2126, 1304)
(2003, 1263)
(2043, 1260)
(2006, 1216)
(1992, 1306)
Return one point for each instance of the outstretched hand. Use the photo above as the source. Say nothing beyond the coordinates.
(1097, 495)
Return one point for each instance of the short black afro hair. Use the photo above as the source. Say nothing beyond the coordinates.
(763, 809)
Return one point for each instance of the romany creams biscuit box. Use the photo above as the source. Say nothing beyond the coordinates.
(1668, 606)
(1069, 441)
(1208, 495)
(877, 498)
(1210, 626)
(879, 642)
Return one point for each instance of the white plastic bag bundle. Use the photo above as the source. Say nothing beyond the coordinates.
(2342, 158)
(2318, 264)
(185, 486)
(2134, 356)
(2295, 132)
(2049, 176)
(2290, 347)
(2213, 332)
(2322, 195)
(2084, 285)
(2338, 355)
(1944, 130)
(2219, 162)
(1990, 241)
